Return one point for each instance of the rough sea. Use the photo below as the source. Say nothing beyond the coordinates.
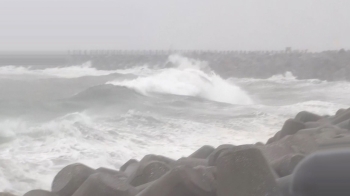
(56, 116)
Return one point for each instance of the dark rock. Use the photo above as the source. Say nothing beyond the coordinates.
(285, 184)
(100, 184)
(142, 187)
(166, 185)
(201, 180)
(203, 152)
(322, 133)
(340, 112)
(107, 170)
(130, 167)
(285, 165)
(39, 192)
(245, 172)
(309, 125)
(323, 173)
(307, 141)
(119, 174)
(276, 137)
(270, 140)
(339, 141)
(344, 125)
(151, 157)
(342, 117)
(291, 127)
(234, 149)
(150, 172)
(293, 144)
(126, 165)
(137, 170)
(305, 116)
(213, 156)
(191, 162)
(6, 194)
(183, 181)
(69, 179)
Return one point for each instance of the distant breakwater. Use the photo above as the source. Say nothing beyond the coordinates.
(327, 65)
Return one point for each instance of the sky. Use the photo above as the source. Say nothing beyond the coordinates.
(314, 25)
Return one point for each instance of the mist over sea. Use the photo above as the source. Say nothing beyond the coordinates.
(54, 116)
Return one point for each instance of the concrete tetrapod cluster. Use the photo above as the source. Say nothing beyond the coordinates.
(309, 156)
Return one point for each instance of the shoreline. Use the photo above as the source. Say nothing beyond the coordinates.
(277, 167)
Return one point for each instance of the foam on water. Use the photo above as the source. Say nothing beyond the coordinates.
(31, 153)
(38, 152)
(189, 78)
(76, 71)
(286, 78)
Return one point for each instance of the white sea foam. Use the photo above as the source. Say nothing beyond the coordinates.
(285, 78)
(32, 154)
(75, 71)
(40, 151)
(189, 78)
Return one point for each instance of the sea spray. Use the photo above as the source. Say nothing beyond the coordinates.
(188, 78)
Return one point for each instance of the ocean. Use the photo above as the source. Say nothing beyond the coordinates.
(54, 116)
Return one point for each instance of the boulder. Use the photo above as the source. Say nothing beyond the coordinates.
(191, 162)
(274, 138)
(339, 141)
(340, 112)
(305, 116)
(39, 192)
(69, 179)
(304, 142)
(169, 184)
(6, 194)
(213, 156)
(130, 167)
(323, 173)
(137, 170)
(201, 180)
(203, 152)
(126, 165)
(323, 133)
(149, 172)
(284, 185)
(290, 127)
(309, 125)
(102, 184)
(344, 125)
(151, 157)
(245, 172)
(142, 187)
(340, 118)
(184, 181)
(285, 165)
(119, 174)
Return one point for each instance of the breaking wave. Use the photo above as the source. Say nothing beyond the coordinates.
(187, 78)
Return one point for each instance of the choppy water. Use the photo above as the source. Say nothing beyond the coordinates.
(56, 116)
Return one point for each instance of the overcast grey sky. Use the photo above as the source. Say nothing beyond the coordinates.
(174, 24)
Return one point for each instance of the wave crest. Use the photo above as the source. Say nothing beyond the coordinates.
(188, 78)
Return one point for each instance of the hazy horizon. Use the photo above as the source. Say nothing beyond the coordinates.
(314, 25)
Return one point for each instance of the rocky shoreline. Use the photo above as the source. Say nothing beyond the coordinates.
(310, 155)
